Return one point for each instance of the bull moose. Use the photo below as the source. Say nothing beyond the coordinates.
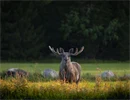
(69, 71)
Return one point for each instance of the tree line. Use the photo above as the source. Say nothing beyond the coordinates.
(29, 27)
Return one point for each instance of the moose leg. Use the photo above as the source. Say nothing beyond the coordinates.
(72, 78)
(78, 79)
(62, 75)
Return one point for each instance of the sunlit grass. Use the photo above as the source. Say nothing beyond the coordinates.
(90, 87)
(21, 88)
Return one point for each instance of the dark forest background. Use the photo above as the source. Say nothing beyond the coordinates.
(29, 27)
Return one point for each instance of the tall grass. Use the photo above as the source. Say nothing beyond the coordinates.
(21, 88)
(90, 87)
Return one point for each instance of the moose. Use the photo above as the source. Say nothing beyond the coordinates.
(69, 71)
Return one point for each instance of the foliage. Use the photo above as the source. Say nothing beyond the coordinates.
(22, 32)
(93, 32)
(27, 28)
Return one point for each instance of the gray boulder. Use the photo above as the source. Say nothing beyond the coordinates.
(49, 73)
(16, 72)
(107, 74)
(127, 76)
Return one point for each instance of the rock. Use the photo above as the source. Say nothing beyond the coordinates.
(107, 74)
(49, 73)
(127, 76)
(15, 71)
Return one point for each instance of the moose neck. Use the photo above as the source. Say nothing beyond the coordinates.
(66, 63)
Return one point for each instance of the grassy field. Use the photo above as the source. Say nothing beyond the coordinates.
(117, 68)
(37, 88)
(23, 89)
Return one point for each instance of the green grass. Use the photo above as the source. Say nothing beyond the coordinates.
(88, 72)
(118, 68)
(90, 87)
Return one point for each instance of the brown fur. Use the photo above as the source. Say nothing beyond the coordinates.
(69, 71)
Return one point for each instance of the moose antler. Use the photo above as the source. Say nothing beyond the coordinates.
(57, 51)
(77, 52)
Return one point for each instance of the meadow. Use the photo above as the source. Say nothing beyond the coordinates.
(118, 68)
(90, 87)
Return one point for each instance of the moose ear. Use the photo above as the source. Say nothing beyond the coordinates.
(61, 50)
(71, 50)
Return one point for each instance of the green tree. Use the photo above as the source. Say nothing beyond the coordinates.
(27, 28)
(83, 26)
(22, 38)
